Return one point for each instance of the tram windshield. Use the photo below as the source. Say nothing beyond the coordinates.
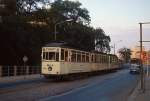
(53, 56)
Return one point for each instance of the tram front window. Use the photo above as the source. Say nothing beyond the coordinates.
(51, 56)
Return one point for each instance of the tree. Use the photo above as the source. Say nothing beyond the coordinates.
(101, 41)
(70, 10)
(7, 7)
(27, 6)
(20, 36)
(79, 36)
(125, 54)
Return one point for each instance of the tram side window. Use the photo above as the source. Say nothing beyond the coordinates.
(110, 59)
(73, 56)
(95, 58)
(62, 54)
(83, 57)
(115, 59)
(79, 57)
(99, 58)
(107, 59)
(102, 59)
(66, 55)
(87, 57)
(92, 58)
(57, 56)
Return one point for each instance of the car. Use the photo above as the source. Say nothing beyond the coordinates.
(135, 68)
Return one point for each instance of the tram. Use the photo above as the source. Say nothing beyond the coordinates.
(59, 60)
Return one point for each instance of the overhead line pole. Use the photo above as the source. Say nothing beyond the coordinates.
(142, 75)
(141, 64)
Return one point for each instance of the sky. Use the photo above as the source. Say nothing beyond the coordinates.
(120, 20)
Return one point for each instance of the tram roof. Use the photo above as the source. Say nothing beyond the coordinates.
(57, 44)
(66, 45)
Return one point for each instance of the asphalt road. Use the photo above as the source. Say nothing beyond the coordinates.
(116, 88)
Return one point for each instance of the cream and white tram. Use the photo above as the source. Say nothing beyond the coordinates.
(60, 60)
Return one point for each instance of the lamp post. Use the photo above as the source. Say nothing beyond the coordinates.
(141, 64)
(58, 24)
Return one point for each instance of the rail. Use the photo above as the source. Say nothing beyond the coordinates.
(9, 71)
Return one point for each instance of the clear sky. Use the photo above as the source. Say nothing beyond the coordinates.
(120, 18)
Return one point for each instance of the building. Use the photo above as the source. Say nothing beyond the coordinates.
(135, 53)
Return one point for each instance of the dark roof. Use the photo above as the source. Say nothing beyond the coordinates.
(54, 44)
(66, 45)
(58, 44)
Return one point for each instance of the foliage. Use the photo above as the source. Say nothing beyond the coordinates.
(32, 26)
(102, 41)
(27, 6)
(125, 54)
(70, 10)
(7, 7)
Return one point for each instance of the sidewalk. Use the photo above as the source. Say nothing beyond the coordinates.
(137, 95)
(12, 79)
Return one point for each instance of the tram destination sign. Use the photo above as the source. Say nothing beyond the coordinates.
(50, 49)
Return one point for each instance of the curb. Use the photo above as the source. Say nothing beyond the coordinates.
(134, 93)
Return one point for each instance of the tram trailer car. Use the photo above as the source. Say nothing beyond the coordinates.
(59, 60)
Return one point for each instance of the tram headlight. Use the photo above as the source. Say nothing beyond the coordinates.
(49, 68)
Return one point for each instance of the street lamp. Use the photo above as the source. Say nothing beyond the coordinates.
(141, 64)
(58, 24)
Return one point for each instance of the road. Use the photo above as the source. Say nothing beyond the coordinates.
(115, 86)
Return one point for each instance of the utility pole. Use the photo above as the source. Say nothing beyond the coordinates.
(142, 74)
(141, 64)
